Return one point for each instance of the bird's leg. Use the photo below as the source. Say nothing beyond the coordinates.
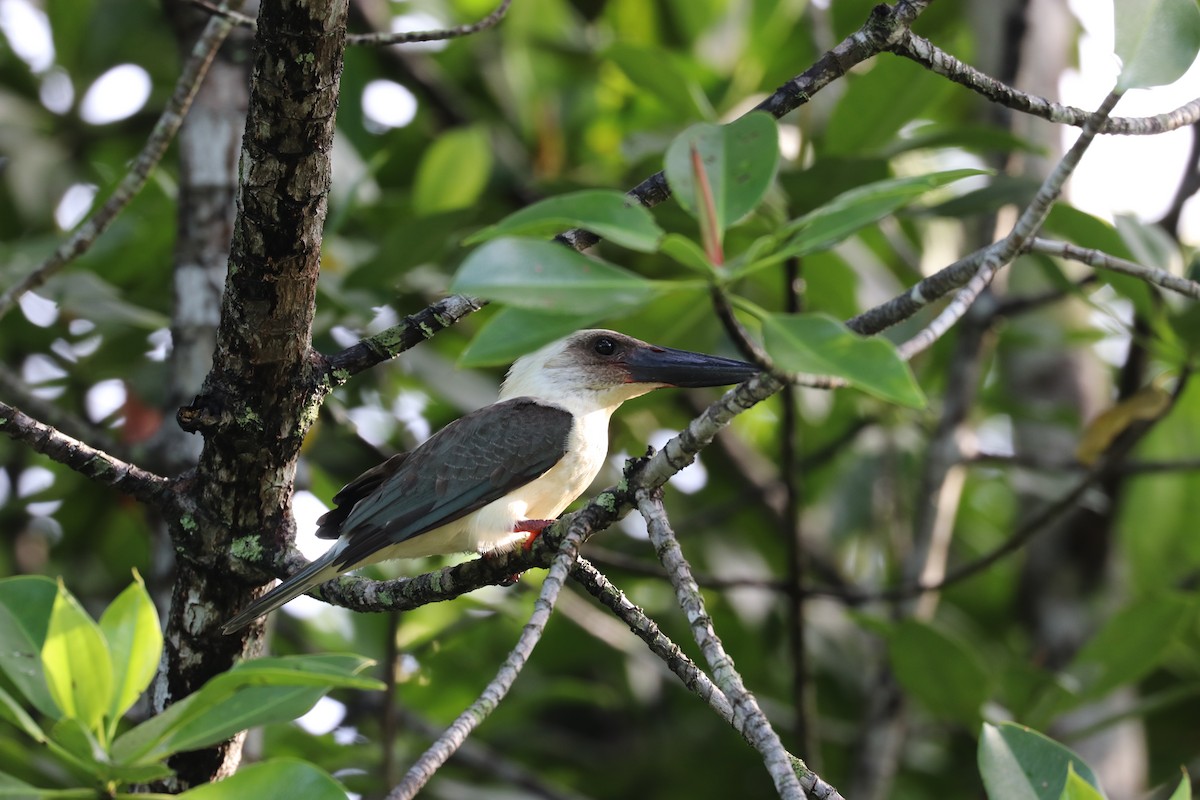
(533, 527)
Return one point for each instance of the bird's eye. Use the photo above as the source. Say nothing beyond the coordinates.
(604, 346)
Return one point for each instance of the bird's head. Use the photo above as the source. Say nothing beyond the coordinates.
(594, 369)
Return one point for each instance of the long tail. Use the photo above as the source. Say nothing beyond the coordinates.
(316, 573)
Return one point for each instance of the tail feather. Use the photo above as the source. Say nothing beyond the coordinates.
(314, 574)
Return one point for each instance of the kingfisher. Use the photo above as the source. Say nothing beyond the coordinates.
(499, 475)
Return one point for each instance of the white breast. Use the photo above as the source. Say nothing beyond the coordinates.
(547, 496)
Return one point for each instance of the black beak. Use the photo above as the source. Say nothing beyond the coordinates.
(651, 364)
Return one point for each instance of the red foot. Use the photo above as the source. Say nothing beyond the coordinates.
(534, 528)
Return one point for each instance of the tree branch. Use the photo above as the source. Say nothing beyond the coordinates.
(1101, 260)
(690, 675)
(409, 332)
(60, 418)
(1026, 227)
(127, 478)
(437, 754)
(936, 60)
(377, 39)
(758, 730)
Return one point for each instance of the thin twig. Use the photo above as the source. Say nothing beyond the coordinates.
(758, 729)
(690, 675)
(938, 61)
(1101, 260)
(85, 235)
(1188, 186)
(51, 414)
(409, 332)
(380, 39)
(437, 754)
(151, 489)
(791, 469)
(1026, 227)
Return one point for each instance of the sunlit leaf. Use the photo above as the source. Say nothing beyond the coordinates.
(821, 345)
(544, 276)
(1184, 790)
(739, 159)
(1156, 40)
(611, 215)
(279, 777)
(130, 625)
(1077, 787)
(654, 71)
(1018, 763)
(76, 662)
(453, 171)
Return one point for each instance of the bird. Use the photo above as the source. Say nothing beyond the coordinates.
(501, 474)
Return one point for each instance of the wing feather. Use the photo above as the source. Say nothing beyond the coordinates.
(466, 465)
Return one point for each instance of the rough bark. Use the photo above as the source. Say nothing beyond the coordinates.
(258, 400)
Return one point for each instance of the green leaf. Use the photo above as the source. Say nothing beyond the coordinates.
(80, 751)
(249, 707)
(1131, 644)
(1018, 763)
(609, 214)
(655, 72)
(939, 670)
(819, 344)
(740, 160)
(15, 789)
(76, 662)
(683, 250)
(453, 171)
(1184, 790)
(1156, 40)
(1077, 788)
(544, 276)
(852, 211)
(279, 777)
(974, 138)
(25, 605)
(11, 711)
(1149, 244)
(513, 332)
(252, 693)
(1086, 230)
(130, 626)
(877, 104)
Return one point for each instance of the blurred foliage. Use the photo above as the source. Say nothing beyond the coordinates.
(565, 97)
